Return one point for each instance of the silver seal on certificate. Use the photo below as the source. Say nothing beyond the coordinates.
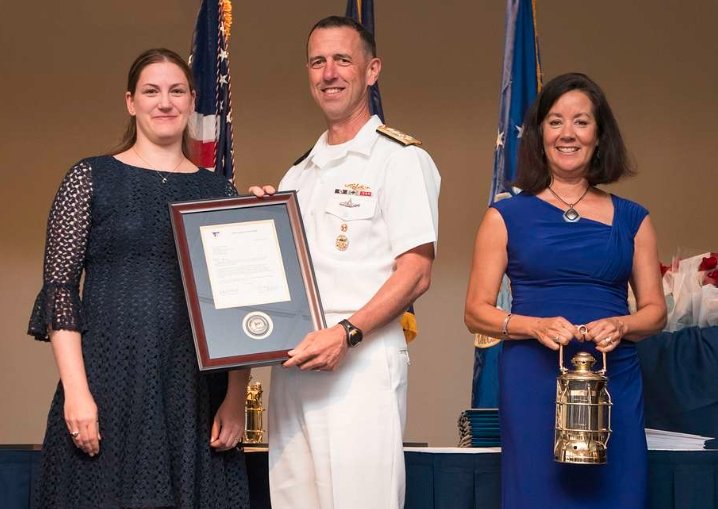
(257, 325)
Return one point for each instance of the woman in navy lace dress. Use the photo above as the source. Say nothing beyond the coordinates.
(133, 424)
(570, 251)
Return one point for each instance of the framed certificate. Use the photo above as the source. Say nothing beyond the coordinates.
(248, 278)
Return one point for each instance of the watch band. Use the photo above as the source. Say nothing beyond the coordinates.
(354, 334)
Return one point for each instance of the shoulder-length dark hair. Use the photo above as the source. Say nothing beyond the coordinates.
(153, 56)
(610, 160)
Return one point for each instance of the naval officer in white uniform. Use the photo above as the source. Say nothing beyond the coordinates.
(369, 202)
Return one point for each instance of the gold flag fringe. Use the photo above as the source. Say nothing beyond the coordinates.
(227, 17)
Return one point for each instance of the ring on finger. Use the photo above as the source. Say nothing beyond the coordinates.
(74, 434)
(583, 330)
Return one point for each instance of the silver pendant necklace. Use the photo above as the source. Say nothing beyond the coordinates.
(164, 179)
(571, 215)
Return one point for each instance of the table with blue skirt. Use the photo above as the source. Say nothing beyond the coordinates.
(437, 478)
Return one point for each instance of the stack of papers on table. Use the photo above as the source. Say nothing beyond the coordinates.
(672, 441)
(479, 427)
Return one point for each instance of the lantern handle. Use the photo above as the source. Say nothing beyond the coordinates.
(561, 367)
(603, 369)
(584, 330)
(564, 369)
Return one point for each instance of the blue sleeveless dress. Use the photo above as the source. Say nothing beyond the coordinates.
(579, 271)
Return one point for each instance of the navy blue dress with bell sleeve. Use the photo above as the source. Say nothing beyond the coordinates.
(110, 224)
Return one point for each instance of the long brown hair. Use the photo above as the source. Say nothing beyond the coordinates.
(152, 56)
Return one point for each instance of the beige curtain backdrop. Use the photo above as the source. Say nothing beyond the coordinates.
(63, 76)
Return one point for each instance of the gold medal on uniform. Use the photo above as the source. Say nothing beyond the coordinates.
(342, 242)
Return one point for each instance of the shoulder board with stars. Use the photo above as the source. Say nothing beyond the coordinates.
(397, 136)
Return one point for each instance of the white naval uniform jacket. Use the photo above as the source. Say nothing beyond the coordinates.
(363, 203)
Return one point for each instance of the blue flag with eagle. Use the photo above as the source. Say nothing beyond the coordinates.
(520, 83)
(211, 122)
(362, 11)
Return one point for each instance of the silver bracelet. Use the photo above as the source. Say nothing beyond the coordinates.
(505, 325)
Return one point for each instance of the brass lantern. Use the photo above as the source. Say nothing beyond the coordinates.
(583, 411)
(253, 421)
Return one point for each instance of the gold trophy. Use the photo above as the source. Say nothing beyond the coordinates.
(253, 410)
(583, 411)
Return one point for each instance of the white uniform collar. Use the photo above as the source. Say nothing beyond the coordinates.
(322, 153)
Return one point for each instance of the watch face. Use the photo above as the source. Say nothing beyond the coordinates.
(355, 337)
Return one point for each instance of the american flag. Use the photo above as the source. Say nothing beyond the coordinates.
(211, 123)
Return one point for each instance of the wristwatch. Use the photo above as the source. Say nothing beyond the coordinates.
(354, 334)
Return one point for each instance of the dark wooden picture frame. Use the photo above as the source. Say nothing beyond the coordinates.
(222, 340)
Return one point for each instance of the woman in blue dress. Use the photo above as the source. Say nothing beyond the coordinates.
(570, 251)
